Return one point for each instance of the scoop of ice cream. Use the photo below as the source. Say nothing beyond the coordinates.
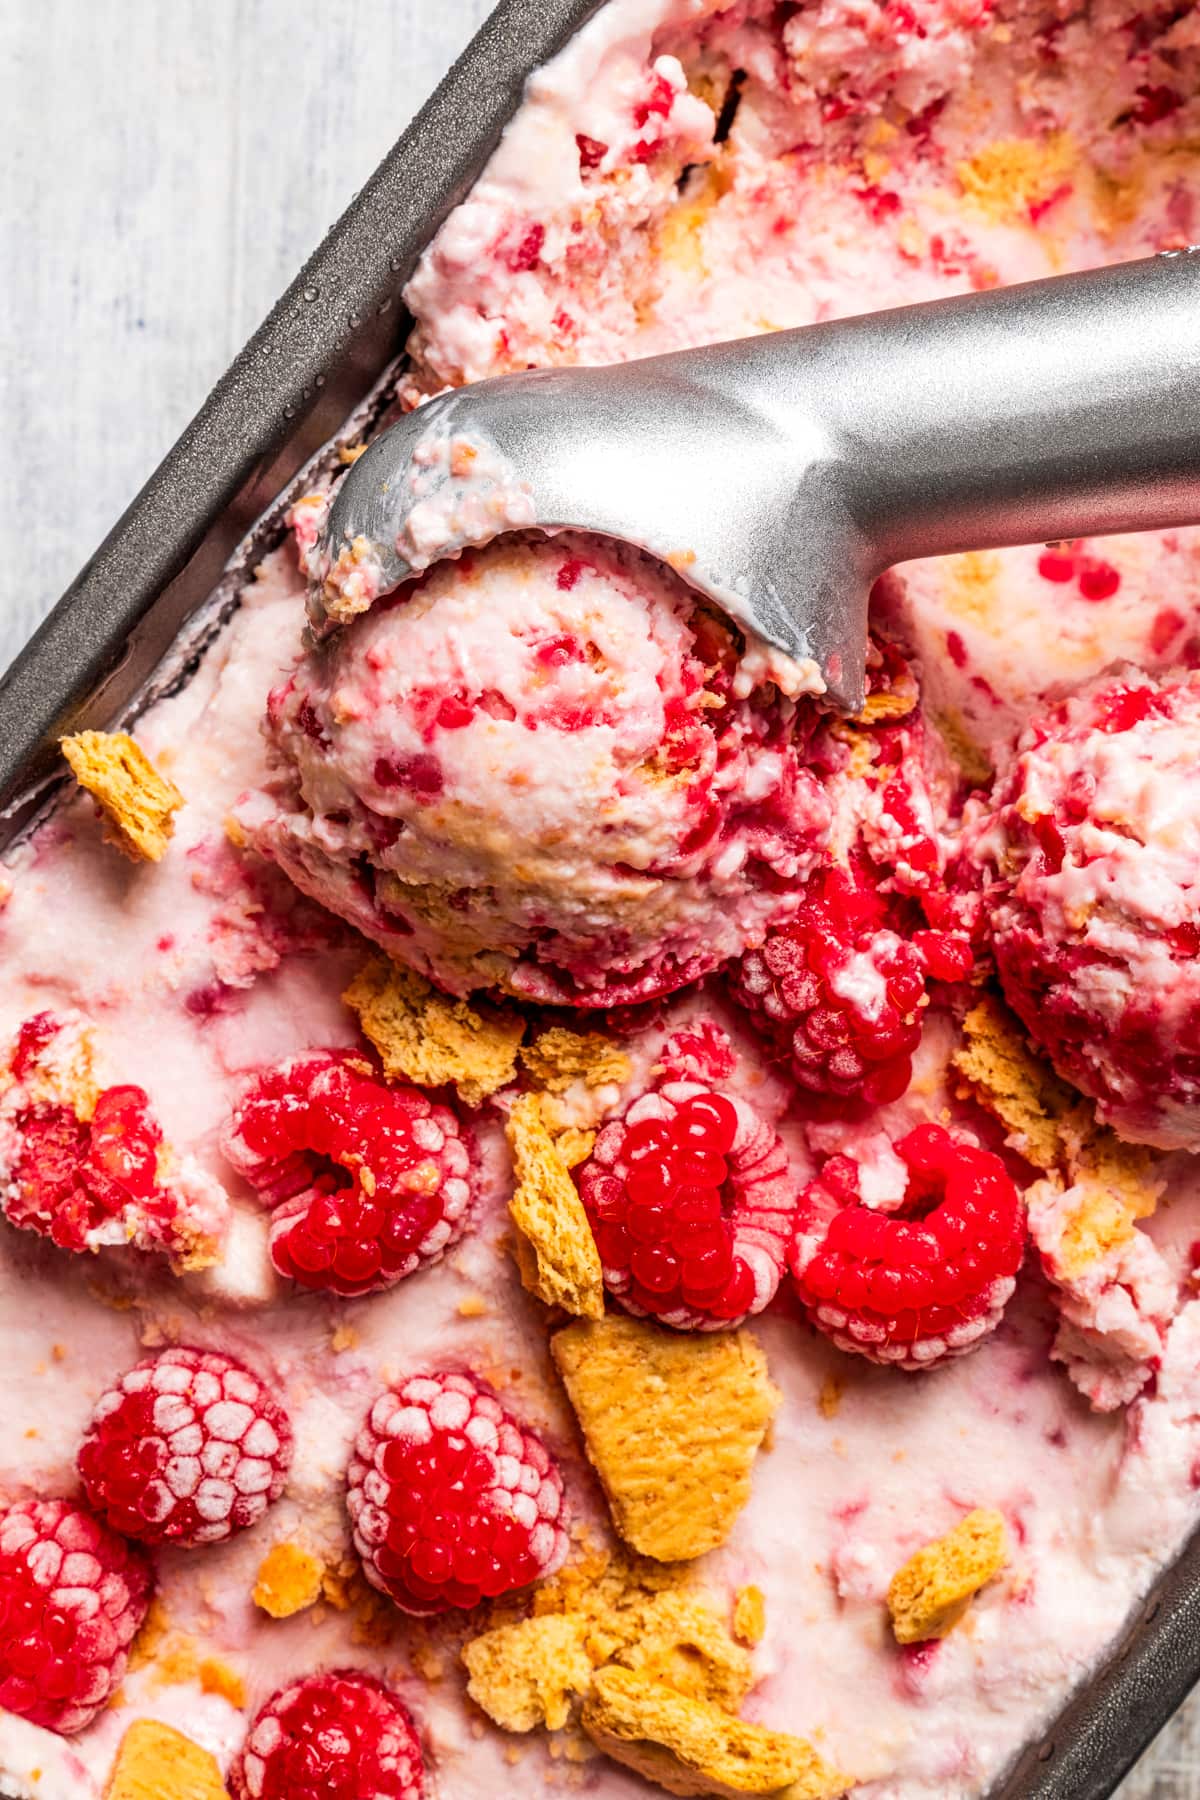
(546, 768)
(1090, 850)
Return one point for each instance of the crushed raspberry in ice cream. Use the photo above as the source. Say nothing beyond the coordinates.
(692, 1205)
(917, 1274)
(85, 1165)
(841, 992)
(1089, 850)
(451, 1500)
(338, 1736)
(859, 56)
(367, 1181)
(533, 770)
(1115, 1301)
(72, 1597)
(187, 1448)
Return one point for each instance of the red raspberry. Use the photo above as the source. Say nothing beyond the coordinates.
(451, 1501)
(340, 1736)
(923, 1276)
(72, 1598)
(692, 1205)
(188, 1448)
(367, 1181)
(89, 1179)
(841, 992)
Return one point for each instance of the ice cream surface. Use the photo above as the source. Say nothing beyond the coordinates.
(889, 1127)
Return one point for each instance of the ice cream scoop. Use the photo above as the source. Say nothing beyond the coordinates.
(781, 474)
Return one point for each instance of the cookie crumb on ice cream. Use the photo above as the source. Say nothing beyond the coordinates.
(692, 1747)
(672, 1423)
(556, 1252)
(931, 1592)
(428, 1038)
(156, 1762)
(137, 801)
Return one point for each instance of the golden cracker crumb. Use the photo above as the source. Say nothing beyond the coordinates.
(290, 1579)
(573, 1145)
(427, 1038)
(672, 1422)
(893, 703)
(556, 1252)
(1007, 176)
(1000, 1071)
(930, 1593)
(429, 1663)
(830, 1396)
(155, 1762)
(1056, 1130)
(749, 1615)
(472, 1306)
(689, 1747)
(137, 802)
(343, 1337)
(348, 454)
(527, 1674)
(680, 1642)
(216, 1677)
(531, 1672)
(558, 1057)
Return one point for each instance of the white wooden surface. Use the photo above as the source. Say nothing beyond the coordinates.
(168, 164)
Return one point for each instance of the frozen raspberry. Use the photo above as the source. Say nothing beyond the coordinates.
(1088, 852)
(923, 1270)
(187, 1448)
(72, 1597)
(692, 1205)
(367, 1181)
(841, 992)
(340, 1736)
(90, 1171)
(451, 1501)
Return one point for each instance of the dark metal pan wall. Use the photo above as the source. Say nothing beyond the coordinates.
(313, 361)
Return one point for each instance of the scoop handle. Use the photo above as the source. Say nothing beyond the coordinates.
(1061, 408)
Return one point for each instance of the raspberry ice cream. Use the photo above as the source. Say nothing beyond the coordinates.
(792, 1375)
(1090, 850)
(545, 770)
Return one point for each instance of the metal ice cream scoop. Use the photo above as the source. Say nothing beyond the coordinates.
(782, 474)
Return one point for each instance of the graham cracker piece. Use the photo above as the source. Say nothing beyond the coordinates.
(1002, 1073)
(672, 1422)
(556, 1252)
(137, 802)
(155, 1762)
(1056, 1130)
(930, 1593)
(1008, 176)
(749, 1615)
(558, 1057)
(531, 1672)
(430, 1039)
(290, 1580)
(681, 1643)
(527, 1674)
(689, 1747)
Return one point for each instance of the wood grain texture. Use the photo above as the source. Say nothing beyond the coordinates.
(169, 164)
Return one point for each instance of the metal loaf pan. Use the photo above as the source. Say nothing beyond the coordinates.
(140, 611)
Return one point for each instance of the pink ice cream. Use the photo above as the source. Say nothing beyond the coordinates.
(546, 769)
(1090, 853)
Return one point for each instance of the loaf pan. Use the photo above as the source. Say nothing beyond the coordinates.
(139, 613)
